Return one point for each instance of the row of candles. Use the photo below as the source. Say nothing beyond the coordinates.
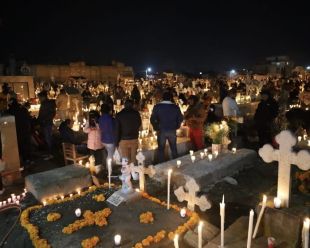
(205, 154)
(14, 199)
(304, 137)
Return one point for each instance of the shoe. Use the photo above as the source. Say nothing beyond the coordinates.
(2, 191)
(49, 157)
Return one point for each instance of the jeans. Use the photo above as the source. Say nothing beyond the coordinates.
(161, 141)
(110, 148)
(47, 133)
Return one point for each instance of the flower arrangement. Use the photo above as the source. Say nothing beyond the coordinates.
(98, 218)
(218, 132)
(146, 217)
(99, 198)
(51, 217)
(32, 229)
(90, 242)
(150, 239)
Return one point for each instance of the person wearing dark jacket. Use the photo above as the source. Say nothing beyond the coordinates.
(166, 118)
(47, 113)
(266, 112)
(128, 123)
(23, 128)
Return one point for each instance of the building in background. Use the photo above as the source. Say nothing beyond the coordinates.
(280, 66)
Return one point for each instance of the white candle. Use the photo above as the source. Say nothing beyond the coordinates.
(277, 202)
(117, 239)
(9, 200)
(193, 158)
(234, 150)
(305, 136)
(168, 188)
(250, 230)
(216, 153)
(18, 197)
(17, 202)
(1, 204)
(308, 142)
(44, 203)
(222, 214)
(191, 152)
(200, 234)
(24, 194)
(78, 191)
(176, 241)
(306, 233)
(87, 165)
(109, 171)
(70, 195)
(80, 162)
(210, 157)
(4, 203)
(183, 212)
(179, 163)
(78, 212)
(202, 154)
(299, 138)
(62, 197)
(260, 216)
(206, 151)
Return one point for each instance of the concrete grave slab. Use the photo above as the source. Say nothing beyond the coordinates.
(62, 180)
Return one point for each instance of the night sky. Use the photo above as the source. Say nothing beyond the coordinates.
(168, 35)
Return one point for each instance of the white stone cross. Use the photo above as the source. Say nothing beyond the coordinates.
(142, 171)
(190, 196)
(285, 156)
(140, 158)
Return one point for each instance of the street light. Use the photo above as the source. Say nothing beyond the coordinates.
(149, 69)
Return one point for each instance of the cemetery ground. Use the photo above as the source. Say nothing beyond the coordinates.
(252, 184)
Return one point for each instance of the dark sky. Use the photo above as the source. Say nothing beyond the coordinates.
(176, 35)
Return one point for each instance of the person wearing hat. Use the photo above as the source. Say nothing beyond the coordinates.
(265, 115)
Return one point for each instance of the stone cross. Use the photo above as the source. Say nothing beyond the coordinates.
(142, 171)
(285, 156)
(140, 158)
(190, 196)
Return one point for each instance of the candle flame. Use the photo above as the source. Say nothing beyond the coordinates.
(264, 198)
(223, 199)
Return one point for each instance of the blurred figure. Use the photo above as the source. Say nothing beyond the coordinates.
(195, 117)
(62, 102)
(166, 118)
(230, 106)
(128, 123)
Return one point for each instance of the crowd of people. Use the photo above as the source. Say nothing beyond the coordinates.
(109, 130)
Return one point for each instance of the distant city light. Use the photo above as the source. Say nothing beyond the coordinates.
(149, 69)
(308, 67)
(200, 73)
(233, 71)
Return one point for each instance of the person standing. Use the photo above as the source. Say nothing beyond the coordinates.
(107, 128)
(195, 117)
(265, 115)
(128, 123)
(166, 118)
(46, 116)
(230, 106)
(62, 102)
(94, 143)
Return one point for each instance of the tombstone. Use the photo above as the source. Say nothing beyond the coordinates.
(10, 153)
(285, 156)
(190, 196)
(141, 170)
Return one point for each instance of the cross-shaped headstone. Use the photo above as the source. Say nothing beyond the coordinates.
(190, 196)
(285, 156)
(142, 171)
(140, 158)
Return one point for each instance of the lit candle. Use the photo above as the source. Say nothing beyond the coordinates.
(216, 153)
(176, 241)
(260, 216)
(250, 230)
(4, 203)
(206, 151)
(25, 190)
(87, 165)
(222, 214)
(62, 197)
(234, 150)
(168, 188)
(191, 152)
(80, 162)
(193, 158)
(44, 203)
(9, 200)
(78, 212)
(18, 197)
(109, 171)
(277, 202)
(117, 239)
(202, 154)
(210, 157)
(179, 163)
(17, 202)
(71, 195)
(305, 136)
(308, 142)
(1, 204)
(306, 233)
(183, 212)
(78, 191)
(200, 234)
(299, 138)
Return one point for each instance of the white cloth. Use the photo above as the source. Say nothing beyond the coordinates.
(230, 107)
